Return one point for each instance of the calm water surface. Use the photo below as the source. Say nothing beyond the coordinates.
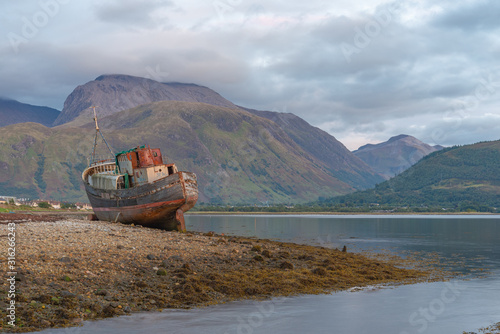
(441, 307)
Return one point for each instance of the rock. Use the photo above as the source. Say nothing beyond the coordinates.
(258, 258)
(256, 248)
(45, 323)
(55, 300)
(102, 292)
(55, 286)
(161, 272)
(266, 253)
(67, 294)
(127, 309)
(284, 255)
(39, 281)
(141, 284)
(319, 271)
(65, 259)
(120, 247)
(286, 265)
(108, 311)
(150, 257)
(175, 258)
(66, 278)
(209, 234)
(45, 299)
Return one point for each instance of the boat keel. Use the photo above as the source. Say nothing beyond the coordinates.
(179, 217)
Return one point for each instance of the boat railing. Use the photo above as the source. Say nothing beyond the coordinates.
(100, 160)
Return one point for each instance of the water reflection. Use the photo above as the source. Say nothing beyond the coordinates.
(476, 237)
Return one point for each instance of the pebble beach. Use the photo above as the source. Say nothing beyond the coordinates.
(71, 270)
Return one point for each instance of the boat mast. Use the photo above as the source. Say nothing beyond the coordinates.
(98, 131)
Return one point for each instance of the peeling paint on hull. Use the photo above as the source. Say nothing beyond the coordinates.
(159, 204)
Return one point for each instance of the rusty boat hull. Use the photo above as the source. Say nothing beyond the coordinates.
(159, 204)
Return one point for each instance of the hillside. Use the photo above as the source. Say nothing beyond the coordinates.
(394, 156)
(324, 149)
(13, 112)
(238, 157)
(117, 92)
(464, 177)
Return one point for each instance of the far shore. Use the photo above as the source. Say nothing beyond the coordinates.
(344, 213)
(83, 214)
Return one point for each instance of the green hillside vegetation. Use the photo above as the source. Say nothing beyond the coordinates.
(238, 157)
(461, 178)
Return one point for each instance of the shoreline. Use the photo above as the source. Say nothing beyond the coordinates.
(195, 213)
(85, 214)
(71, 270)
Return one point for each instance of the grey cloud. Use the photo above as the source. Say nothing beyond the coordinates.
(478, 15)
(129, 12)
(404, 81)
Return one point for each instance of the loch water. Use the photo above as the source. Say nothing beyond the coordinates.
(469, 243)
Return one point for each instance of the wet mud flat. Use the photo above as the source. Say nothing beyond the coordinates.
(69, 270)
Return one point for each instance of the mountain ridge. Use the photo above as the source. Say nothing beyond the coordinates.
(13, 112)
(118, 92)
(459, 178)
(395, 155)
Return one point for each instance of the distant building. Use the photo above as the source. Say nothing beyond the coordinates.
(55, 204)
(8, 199)
(83, 206)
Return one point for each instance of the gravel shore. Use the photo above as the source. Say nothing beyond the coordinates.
(73, 270)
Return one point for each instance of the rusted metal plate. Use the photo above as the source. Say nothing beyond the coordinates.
(145, 157)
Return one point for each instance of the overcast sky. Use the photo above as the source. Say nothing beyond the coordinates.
(361, 70)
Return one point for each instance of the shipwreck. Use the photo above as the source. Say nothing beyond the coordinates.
(137, 187)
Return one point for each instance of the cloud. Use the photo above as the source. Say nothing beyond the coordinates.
(473, 16)
(412, 64)
(130, 12)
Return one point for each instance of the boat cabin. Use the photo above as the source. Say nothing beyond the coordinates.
(143, 165)
(137, 166)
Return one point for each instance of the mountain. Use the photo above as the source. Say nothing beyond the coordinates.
(117, 92)
(12, 112)
(324, 149)
(238, 157)
(395, 155)
(321, 147)
(461, 177)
